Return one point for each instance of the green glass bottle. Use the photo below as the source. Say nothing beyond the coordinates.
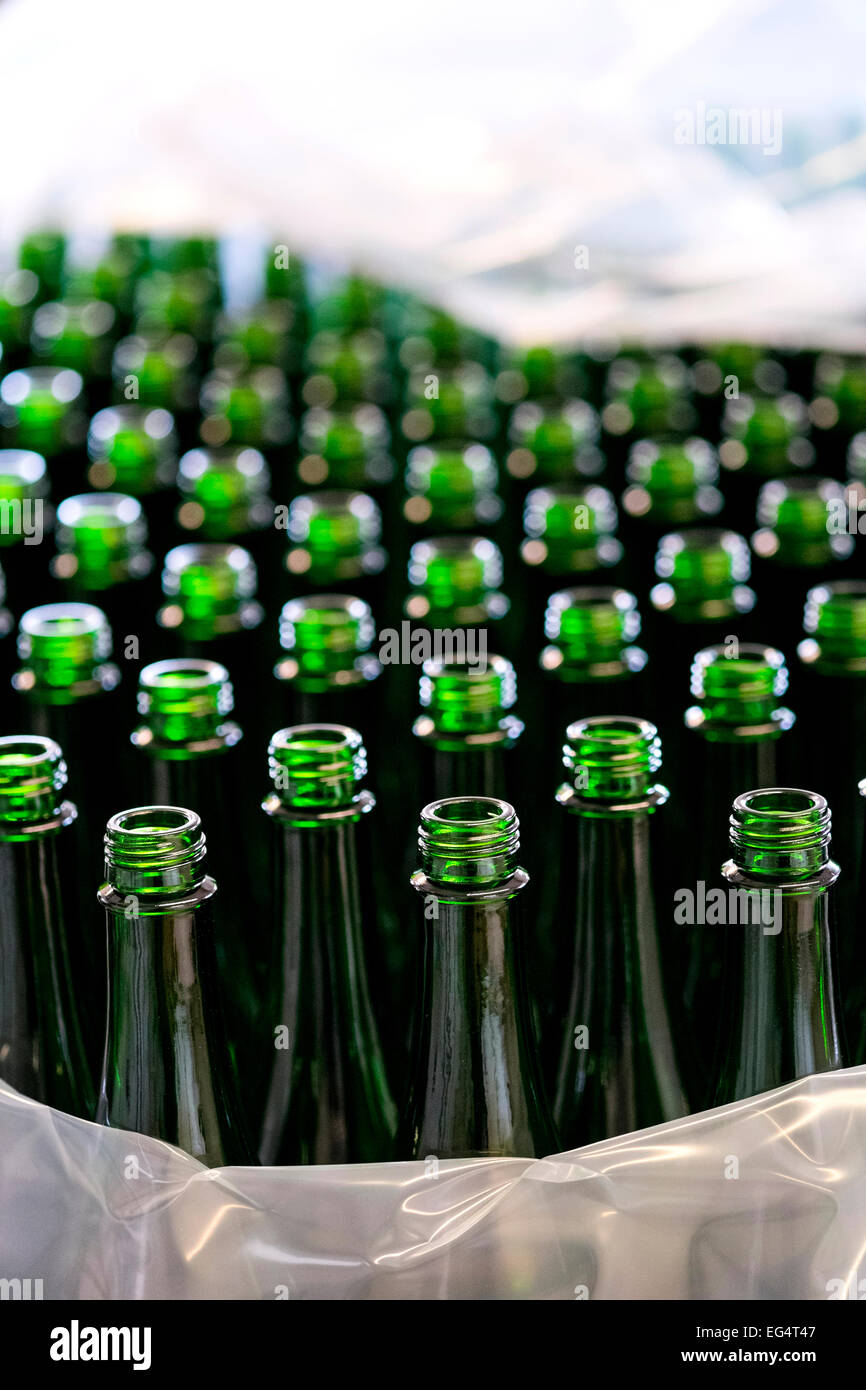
(741, 735)
(800, 536)
(671, 483)
(102, 555)
(645, 397)
(455, 402)
(41, 1051)
(19, 293)
(158, 368)
(328, 1100)
(212, 612)
(182, 301)
(702, 598)
(224, 494)
(25, 517)
(618, 1068)
(191, 753)
(762, 439)
(838, 409)
(42, 409)
(569, 535)
(69, 691)
(346, 369)
(451, 487)
(553, 443)
(334, 541)
(132, 449)
(829, 685)
(466, 729)
(78, 334)
(782, 1018)
(167, 1071)
(262, 336)
(329, 669)
(246, 408)
(476, 1090)
(540, 373)
(346, 448)
(44, 252)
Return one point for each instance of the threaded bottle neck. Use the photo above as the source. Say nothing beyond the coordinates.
(132, 447)
(328, 639)
(184, 700)
(462, 699)
(570, 528)
(456, 575)
(224, 490)
(335, 535)
(835, 620)
(795, 516)
(611, 760)
(42, 402)
(780, 832)
(212, 588)
(100, 539)
(65, 648)
(591, 629)
(32, 778)
(155, 852)
(469, 842)
(704, 572)
(317, 767)
(739, 690)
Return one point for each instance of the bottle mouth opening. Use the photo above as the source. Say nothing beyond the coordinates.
(779, 802)
(183, 673)
(780, 830)
(32, 771)
(154, 849)
(469, 840)
(99, 510)
(63, 620)
(317, 765)
(611, 758)
(22, 466)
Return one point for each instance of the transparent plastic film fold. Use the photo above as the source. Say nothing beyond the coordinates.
(763, 1199)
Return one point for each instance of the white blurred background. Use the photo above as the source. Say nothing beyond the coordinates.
(473, 151)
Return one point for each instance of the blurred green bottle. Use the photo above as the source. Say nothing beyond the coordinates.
(41, 1050)
(328, 1099)
(134, 449)
(191, 753)
(79, 334)
(828, 687)
(476, 1089)
(781, 1013)
(762, 438)
(211, 611)
(43, 252)
(69, 690)
(335, 542)
(19, 295)
(167, 1070)
(740, 737)
(671, 483)
(102, 557)
(25, 517)
(42, 409)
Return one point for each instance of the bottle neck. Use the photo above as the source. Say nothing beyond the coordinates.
(782, 1014)
(167, 1071)
(622, 1076)
(328, 1100)
(475, 1090)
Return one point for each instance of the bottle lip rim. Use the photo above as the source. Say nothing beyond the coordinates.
(200, 672)
(86, 617)
(811, 802)
(124, 822)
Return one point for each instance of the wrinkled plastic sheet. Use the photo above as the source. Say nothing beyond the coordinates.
(764, 1199)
